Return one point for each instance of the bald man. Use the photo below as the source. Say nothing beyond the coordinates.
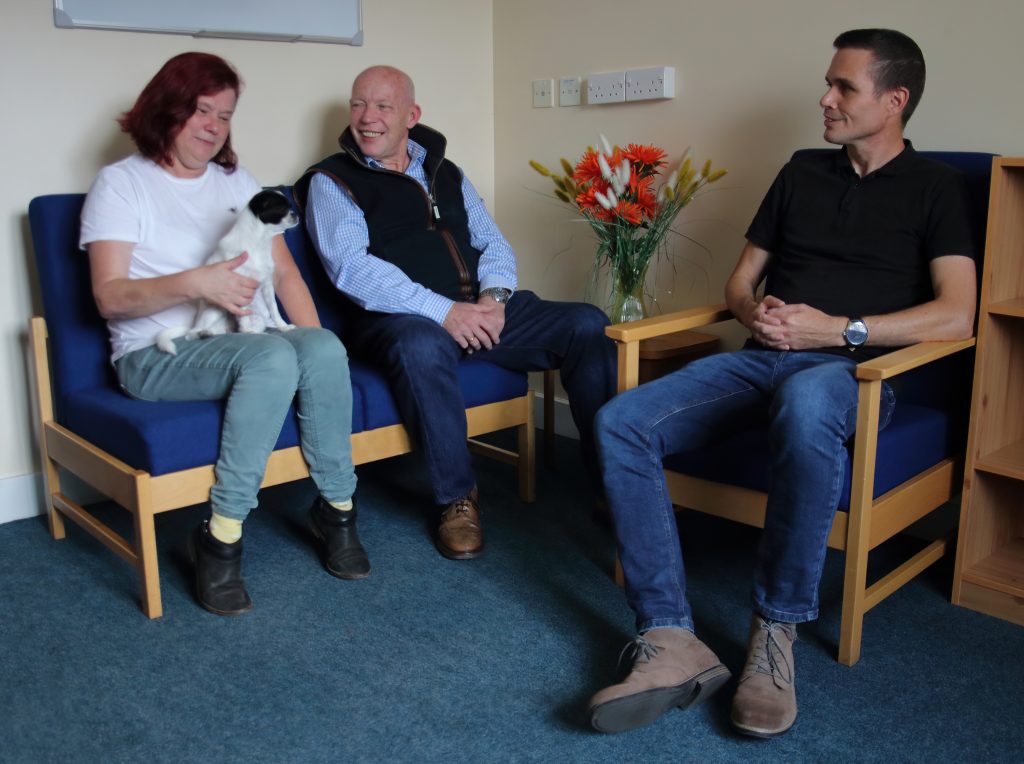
(430, 280)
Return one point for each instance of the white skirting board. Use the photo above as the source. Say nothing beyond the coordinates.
(21, 496)
(563, 417)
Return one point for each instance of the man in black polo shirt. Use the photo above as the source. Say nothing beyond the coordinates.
(861, 250)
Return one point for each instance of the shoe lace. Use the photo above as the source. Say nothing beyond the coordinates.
(768, 657)
(637, 651)
(459, 507)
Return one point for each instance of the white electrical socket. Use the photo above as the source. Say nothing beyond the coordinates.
(647, 84)
(569, 91)
(543, 93)
(608, 87)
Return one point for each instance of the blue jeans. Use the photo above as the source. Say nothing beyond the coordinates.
(259, 375)
(421, 359)
(809, 401)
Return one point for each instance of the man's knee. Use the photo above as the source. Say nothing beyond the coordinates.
(587, 320)
(817, 397)
(421, 343)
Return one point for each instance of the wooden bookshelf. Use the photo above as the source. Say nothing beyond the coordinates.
(989, 575)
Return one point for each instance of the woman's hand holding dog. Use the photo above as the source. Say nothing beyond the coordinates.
(220, 285)
(118, 296)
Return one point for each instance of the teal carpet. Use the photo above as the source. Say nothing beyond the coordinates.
(430, 660)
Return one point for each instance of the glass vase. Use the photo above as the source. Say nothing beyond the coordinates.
(627, 300)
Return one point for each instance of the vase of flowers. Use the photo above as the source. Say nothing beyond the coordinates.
(614, 190)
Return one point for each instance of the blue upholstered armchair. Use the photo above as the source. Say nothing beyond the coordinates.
(893, 477)
(151, 457)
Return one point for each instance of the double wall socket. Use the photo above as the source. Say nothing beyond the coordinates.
(647, 84)
(609, 87)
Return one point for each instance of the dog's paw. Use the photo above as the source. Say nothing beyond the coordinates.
(286, 327)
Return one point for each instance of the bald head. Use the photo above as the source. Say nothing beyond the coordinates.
(383, 110)
(399, 80)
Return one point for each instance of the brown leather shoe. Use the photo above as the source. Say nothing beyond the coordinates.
(671, 668)
(765, 701)
(459, 535)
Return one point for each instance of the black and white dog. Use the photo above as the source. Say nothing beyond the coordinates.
(267, 214)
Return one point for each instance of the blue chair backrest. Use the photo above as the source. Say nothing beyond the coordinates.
(79, 344)
(976, 167)
(330, 305)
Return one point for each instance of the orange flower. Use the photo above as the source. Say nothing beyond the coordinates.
(645, 158)
(587, 168)
(641, 190)
(586, 200)
(631, 212)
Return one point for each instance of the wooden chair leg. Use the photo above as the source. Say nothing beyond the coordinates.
(854, 607)
(858, 532)
(549, 418)
(527, 456)
(145, 548)
(43, 400)
(51, 485)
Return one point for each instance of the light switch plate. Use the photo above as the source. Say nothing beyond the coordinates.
(569, 91)
(543, 93)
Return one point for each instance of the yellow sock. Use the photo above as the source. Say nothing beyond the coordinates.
(225, 529)
(341, 506)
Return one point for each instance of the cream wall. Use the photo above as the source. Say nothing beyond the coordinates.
(61, 90)
(748, 79)
(749, 76)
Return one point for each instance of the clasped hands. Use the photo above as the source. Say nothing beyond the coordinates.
(475, 325)
(779, 326)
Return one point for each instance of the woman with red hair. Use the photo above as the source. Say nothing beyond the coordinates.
(149, 223)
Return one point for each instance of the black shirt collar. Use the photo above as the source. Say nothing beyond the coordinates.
(894, 166)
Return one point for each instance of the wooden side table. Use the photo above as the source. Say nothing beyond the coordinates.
(658, 356)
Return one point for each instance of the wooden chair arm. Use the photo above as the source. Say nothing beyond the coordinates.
(670, 323)
(628, 336)
(905, 359)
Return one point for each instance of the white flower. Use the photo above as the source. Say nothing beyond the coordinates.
(624, 170)
(606, 170)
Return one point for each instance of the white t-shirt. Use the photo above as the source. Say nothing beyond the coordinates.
(175, 224)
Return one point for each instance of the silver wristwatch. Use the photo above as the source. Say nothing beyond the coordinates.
(855, 333)
(498, 294)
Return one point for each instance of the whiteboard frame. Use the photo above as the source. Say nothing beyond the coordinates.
(188, 19)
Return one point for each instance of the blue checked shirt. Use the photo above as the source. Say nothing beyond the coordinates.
(338, 229)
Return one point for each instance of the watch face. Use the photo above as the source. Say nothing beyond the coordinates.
(856, 333)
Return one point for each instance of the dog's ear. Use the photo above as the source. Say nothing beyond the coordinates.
(269, 206)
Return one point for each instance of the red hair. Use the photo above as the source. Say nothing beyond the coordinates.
(169, 100)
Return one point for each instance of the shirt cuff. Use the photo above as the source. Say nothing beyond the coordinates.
(489, 282)
(436, 307)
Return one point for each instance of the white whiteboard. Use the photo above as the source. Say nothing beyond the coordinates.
(334, 21)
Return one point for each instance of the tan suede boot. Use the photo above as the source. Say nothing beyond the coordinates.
(765, 701)
(671, 668)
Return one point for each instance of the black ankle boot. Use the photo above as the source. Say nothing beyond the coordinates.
(344, 556)
(219, 585)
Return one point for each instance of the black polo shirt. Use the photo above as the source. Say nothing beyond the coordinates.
(852, 246)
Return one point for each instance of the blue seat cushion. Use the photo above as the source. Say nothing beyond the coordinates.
(163, 437)
(481, 383)
(917, 438)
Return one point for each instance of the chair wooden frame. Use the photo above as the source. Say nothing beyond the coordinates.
(869, 522)
(146, 496)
